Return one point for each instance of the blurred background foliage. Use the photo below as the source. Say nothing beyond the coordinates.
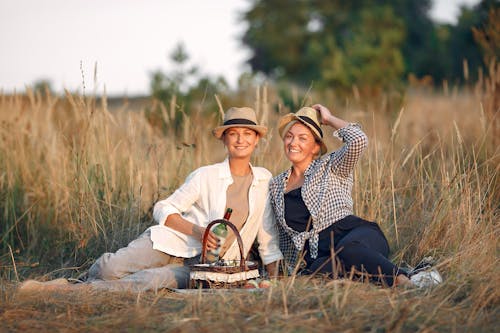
(371, 44)
(369, 47)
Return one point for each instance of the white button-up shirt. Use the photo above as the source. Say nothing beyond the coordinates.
(202, 199)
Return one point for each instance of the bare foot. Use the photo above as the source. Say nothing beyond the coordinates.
(52, 285)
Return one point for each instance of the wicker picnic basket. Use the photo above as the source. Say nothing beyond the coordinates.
(232, 274)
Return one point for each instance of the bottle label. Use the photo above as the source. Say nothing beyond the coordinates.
(220, 230)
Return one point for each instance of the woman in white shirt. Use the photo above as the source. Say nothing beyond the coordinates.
(161, 256)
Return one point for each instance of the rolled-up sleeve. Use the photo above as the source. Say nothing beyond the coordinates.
(267, 236)
(355, 141)
(180, 201)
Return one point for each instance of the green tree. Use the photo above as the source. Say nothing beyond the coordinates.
(420, 45)
(174, 83)
(170, 91)
(43, 87)
(462, 44)
(372, 57)
(176, 91)
(325, 42)
(363, 42)
(278, 38)
(488, 37)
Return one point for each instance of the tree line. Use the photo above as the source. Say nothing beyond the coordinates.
(373, 44)
(370, 43)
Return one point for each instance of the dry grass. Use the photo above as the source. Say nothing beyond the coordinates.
(307, 306)
(77, 179)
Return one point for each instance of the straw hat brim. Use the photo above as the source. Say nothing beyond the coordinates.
(287, 119)
(218, 131)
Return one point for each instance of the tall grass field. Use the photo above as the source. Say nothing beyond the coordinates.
(79, 177)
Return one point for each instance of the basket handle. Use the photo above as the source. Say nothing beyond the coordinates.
(236, 233)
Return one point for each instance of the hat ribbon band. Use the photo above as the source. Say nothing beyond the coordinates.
(239, 121)
(313, 124)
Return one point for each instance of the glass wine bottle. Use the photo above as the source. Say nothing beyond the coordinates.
(220, 230)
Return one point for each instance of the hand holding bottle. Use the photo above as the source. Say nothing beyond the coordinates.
(177, 222)
(212, 239)
(219, 231)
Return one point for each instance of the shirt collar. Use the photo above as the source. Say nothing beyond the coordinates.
(309, 170)
(225, 171)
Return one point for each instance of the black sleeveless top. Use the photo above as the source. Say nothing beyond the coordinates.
(296, 212)
(297, 217)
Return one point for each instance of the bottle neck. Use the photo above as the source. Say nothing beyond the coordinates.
(227, 215)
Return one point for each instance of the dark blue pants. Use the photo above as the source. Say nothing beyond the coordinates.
(358, 244)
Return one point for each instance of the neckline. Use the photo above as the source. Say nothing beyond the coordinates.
(297, 189)
(244, 176)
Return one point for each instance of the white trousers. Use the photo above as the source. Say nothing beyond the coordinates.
(139, 267)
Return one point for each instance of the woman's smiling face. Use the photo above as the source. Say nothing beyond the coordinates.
(300, 145)
(240, 141)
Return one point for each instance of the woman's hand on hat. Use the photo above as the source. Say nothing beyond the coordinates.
(327, 118)
(325, 114)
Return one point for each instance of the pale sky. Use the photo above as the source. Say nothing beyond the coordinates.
(128, 39)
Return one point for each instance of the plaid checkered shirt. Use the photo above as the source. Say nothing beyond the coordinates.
(326, 193)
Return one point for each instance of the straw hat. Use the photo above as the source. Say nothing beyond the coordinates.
(307, 116)
(239, 117)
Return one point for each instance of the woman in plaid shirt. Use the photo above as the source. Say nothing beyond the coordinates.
(313, 205)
